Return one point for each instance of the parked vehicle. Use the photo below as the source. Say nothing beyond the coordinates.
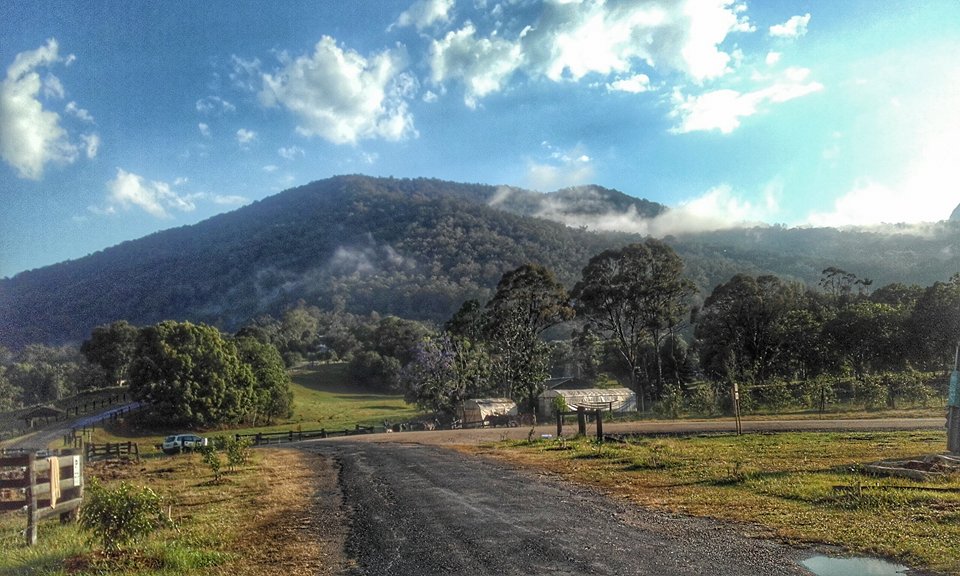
(183, 443)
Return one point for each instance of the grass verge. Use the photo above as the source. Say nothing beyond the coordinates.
(800, 487)
(278, 515)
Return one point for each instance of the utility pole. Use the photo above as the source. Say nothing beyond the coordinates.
(953, 407)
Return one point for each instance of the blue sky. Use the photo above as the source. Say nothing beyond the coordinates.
(118, 119)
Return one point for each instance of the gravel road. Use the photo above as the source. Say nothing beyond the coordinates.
(423, 510)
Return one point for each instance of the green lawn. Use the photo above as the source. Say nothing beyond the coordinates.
(803, 487)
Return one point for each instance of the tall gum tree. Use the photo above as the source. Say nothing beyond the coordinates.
(638, 294)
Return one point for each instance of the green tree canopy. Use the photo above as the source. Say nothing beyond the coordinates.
(111, 347)
(188, 374)
(271, 392)
(637, 294)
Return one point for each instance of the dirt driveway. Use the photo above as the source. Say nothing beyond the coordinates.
(427, 511)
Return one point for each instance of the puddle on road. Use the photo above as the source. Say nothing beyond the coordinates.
(826, 566)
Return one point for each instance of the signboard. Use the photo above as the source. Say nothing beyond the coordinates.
(77, 476)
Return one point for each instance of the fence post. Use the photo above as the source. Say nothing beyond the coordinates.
(581, 421)
(31, 500)
(559, 423)
(599, 417)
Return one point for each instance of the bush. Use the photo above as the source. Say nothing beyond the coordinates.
(212, 459)
(238, 452)
(121, 516)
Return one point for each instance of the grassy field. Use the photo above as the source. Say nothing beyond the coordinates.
(265, 518)
(323, 398)
(800, 487)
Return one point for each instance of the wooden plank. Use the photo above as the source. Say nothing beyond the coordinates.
(14, 461)
(8, 505)
(62, 507)
(14, 483)
(42, 488)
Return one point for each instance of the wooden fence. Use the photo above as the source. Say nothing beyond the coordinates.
(581, 415)
(297, 435)
(44, 487)
(112, 451)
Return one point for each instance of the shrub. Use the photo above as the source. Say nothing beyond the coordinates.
(121, 516)
(212, 459)
(238, 452)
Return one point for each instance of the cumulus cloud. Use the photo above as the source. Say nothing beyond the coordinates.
(155, 198)
(424, 13)
(570, 40)
(30, 135)
(795, 27)
(723, 109)
(339, 95)
(634, 84)
(483, 64)
(204, 129)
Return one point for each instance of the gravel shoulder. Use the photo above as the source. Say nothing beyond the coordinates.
(425, 510)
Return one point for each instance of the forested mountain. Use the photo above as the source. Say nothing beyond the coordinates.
(413, 248)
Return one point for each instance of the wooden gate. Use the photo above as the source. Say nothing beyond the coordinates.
(43, 487)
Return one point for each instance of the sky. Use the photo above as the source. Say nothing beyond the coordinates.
(118, 119)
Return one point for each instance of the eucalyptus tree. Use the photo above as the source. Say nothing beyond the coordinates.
(639, 295)
(528, 300)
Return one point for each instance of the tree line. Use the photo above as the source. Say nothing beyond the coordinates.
(632, 318)
(186, 374)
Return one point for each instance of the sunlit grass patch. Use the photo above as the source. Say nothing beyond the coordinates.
(804, 487)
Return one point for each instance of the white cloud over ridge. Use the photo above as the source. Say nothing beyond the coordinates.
(155, 198)
(570, 40)
(717, 209)
(31, 136)
(343, 97)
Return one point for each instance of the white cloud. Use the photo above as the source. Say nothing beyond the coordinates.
(483, 64)
(53, 88)
(926, 191)
(31, 136)
(795, 27)
(204, 129)
(773, 58)
(561, 170)
(270, 168)
(572, 39)
(155, 198)
(212, 105)
(91, 144)
(634, 84)
(424, 13)
(341, 96)
(719, 208)
(290, 152)
(80, 113)
(245, 136)
(723, 109)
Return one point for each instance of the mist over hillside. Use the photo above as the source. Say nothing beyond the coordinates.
(416, 248)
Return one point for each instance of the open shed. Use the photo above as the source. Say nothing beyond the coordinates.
(608, 399)
(476, 409)
(44, 412)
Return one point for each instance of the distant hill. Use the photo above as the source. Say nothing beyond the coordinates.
(411, 247)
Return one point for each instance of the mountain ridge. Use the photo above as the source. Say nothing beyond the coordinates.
(411, 247)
